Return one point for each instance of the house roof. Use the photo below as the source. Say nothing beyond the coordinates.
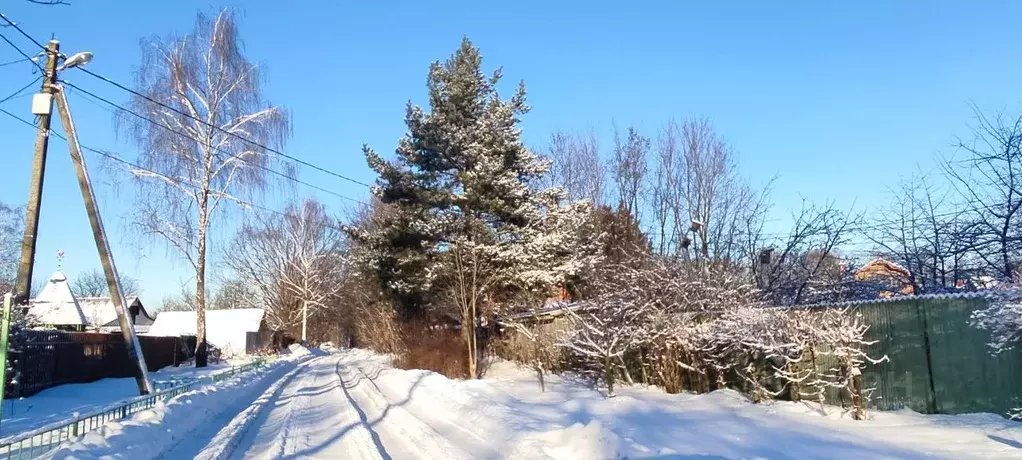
(100, 311)
(882, 266)
(177, 323)
(56, 305)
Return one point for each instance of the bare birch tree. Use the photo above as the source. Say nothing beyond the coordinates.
(295, 263)
(629, 168)
(207, 147)
(576, 166)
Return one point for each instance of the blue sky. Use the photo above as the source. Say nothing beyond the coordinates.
(837, 99)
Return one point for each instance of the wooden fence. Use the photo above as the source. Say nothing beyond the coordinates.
(45, 359)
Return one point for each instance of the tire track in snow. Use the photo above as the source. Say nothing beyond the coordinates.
(310, 419)
(404, 435)
(226, 440)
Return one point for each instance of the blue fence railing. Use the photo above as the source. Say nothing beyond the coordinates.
(31, 444)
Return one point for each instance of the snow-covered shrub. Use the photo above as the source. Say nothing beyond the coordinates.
(840, 335)
(1002, 318)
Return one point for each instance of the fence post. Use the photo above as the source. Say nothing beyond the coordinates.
(5, 324)
(929, 359)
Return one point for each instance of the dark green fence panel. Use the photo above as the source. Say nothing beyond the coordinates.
(938, 362)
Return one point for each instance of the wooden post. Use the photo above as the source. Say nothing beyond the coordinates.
(26, 263)
(105, 256)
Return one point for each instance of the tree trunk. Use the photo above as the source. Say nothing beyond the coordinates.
(201, 347)
(624, 370)
(858, 413)
(608, 371)
(794, 389)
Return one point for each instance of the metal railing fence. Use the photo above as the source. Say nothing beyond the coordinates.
(39, 441)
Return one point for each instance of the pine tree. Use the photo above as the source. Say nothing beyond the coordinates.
(465, 217)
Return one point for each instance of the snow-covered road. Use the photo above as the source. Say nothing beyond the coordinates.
(326, 408)
(352, 405)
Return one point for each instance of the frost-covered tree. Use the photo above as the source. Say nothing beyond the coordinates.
(206, 144)
(1002, 317)
(466, 220)
(295, 263)
(11, 224)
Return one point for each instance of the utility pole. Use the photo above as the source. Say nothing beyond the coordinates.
(103, 246)
(42, 105)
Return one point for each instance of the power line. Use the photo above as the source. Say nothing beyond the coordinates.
(229, 133)
(15, 94)
(118, 159)
(186, 136)
(25, 34)
(16, 48)
(179, 112)
(5, 64)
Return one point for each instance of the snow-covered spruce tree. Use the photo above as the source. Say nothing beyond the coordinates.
(466, 222)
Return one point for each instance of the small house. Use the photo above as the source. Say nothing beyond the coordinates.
(235, 332)
(57, 307)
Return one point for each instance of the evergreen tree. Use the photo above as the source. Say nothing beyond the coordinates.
(461, 173)
(465, 216)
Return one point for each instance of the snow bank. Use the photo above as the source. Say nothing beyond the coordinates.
(514, 419)
(581, 441)
(297, 350)
(150, 433)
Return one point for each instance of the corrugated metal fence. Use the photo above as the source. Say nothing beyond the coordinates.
(938, 362)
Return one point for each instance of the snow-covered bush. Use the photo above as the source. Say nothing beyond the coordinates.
(1002, 318)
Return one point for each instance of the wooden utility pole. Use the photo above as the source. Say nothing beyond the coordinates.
(103, 245)
(42, 105)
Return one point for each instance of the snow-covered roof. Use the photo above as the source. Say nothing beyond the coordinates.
(56, 305)
(177, 323)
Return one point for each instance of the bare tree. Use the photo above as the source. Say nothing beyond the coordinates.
(232, 294)
(806, 266)
(296, 263)
(11, 223)
(576, 166)
(989, 177)
(629, 168)
(92, 283)
(698, 198)
(927, 233)
(208, 145)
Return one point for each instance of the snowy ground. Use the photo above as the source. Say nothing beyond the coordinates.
(351, 405)
(58, 403)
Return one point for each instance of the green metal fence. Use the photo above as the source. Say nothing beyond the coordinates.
(37, 442)
(939, 364)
